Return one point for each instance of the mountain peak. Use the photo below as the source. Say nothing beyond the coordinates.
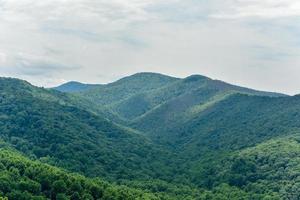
(195, 77)
(147, 76)
(75, 86)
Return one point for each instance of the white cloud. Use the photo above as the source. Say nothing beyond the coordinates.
(3, 58)
(260, 8)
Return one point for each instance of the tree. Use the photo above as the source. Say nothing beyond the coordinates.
(58, 187)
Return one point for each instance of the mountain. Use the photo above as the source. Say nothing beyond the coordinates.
(126, 87)
(165, 137)
(152, 102)
(107, 97)
(135, 98)
(44, 125)
(74, 86)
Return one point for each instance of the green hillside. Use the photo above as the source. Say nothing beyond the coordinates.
(196, 95)
(233, 124)
(269, 168)
(241, 121)
(24, 179)
(70, 137)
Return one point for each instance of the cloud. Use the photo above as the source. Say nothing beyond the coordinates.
(31, 65)
(75, 12)
(259, 8)
(3, 57)
(27, 65)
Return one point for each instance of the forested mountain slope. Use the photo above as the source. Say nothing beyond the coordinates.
(241, 121)
(236, 123)
(67, 136)
(200, 94)
(24, 179)
(191, 138)
(269, 168)
(47, 127)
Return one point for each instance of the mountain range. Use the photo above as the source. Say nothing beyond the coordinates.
(148, 136)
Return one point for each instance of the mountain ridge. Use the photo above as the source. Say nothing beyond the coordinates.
(132, 97)
(143, 74)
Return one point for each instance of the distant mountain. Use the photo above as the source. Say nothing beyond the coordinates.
(74, 86)
(110, 95)
(134, 99)
(124, 88)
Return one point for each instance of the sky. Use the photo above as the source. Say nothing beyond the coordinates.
(253, 43)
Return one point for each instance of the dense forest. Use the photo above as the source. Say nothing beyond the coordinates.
(21, 178)
(148, 136)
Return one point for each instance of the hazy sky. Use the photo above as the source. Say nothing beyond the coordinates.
(255, 43)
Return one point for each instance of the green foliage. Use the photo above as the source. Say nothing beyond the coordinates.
(271, 169)
(52, 183)
(196, 138)
(70, 137)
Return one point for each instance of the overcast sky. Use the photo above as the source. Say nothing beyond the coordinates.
(254, 43)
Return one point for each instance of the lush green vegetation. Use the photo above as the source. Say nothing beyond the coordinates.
(23, 179)
(70, 137)
(152, 137)
(271, 168)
